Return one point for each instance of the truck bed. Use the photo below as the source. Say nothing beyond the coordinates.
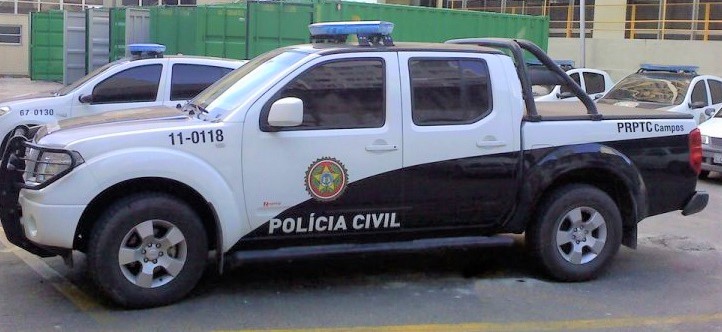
(562, 110)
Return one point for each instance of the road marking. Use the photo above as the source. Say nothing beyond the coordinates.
(582, 324)
(81, 300)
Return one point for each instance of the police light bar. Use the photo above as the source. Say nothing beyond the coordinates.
(668, 68)
(368, 32)
(144, 51)
(564, 64)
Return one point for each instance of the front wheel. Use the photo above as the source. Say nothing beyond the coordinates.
(147, 250)
(577, 232)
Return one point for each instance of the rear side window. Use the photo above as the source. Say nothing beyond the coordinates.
(449, 91)
(342, 94)
(715, 88)
(137, 84)
(594, 83)
(699, 93)
(188, 80)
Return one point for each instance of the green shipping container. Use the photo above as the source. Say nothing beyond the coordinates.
(423, 24)
(46, 46)
(275, 24)
(174, 27)
(223, 31)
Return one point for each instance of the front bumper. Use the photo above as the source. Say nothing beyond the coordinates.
(11, 181)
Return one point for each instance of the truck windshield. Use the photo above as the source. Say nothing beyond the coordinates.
(70, 87)
(666, 89)
(235, 88)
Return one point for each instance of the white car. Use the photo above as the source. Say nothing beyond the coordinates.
(711, 145)
(126, 83)
(672, 88)
(594, 82)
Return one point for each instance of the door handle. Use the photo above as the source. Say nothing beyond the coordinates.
(490, 144)
(178, 106)
(381, 147)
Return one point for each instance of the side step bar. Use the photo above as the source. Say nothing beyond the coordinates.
(241, 257)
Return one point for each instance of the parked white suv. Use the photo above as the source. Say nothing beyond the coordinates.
(126, 83)
(672, 88)
(594, 82)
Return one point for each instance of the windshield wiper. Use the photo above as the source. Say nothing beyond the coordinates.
(194, 109)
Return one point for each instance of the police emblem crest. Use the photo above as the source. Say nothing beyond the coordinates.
(326, 179)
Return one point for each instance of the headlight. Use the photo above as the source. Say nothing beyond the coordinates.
(42, 166)
(4, 109)
(705, 139)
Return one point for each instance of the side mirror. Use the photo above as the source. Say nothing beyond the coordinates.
(565, 95)
(85, 99)
(709, 112)
(697, 104)
(286, 112)
(597, 96)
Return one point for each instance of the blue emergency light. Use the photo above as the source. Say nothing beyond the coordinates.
(144, 51)
(689, 69)
(368, 32)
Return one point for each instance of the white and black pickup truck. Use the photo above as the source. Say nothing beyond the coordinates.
(334, 147)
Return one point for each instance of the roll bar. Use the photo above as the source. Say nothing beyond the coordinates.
(515, 46)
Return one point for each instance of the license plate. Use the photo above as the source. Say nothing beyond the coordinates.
(717, 158)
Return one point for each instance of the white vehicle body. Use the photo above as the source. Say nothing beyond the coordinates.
(337, 145)
(169, 81)
(711, 131)
(679, 92)
(594, 82)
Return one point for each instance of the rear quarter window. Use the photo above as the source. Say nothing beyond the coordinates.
(188, 80)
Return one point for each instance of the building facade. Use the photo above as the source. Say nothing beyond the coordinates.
(619, 34)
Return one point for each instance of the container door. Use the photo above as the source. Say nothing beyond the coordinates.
(137, 27)
(98, 38)
(73, 46)
(46, 46)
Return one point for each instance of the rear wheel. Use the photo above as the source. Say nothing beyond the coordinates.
(577, 233)
(147, 250)
(703, 174)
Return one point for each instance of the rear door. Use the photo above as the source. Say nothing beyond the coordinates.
(461, 144)
(188, 79)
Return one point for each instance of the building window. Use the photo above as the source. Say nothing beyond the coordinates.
(674, 19)
(10, 34)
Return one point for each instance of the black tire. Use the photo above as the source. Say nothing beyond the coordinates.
(176, 234)
(570, 211)
(703, 174)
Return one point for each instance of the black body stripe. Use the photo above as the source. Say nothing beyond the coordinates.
(475, 196)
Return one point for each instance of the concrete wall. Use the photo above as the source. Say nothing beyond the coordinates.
(621, 57)
(14, 58)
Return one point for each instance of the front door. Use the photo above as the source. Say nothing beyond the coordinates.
(330, 175)
(130, 88)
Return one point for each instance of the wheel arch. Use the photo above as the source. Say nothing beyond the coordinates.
(611, 172)
(195, 200)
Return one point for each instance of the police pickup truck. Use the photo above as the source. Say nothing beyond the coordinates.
(334, 147)
(147, 78)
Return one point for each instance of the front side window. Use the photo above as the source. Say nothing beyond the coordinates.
(340, 95)
(699, 93)
(137, 84)
(594, 83)
(449, 92)
(188, 80)
(576, 79)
